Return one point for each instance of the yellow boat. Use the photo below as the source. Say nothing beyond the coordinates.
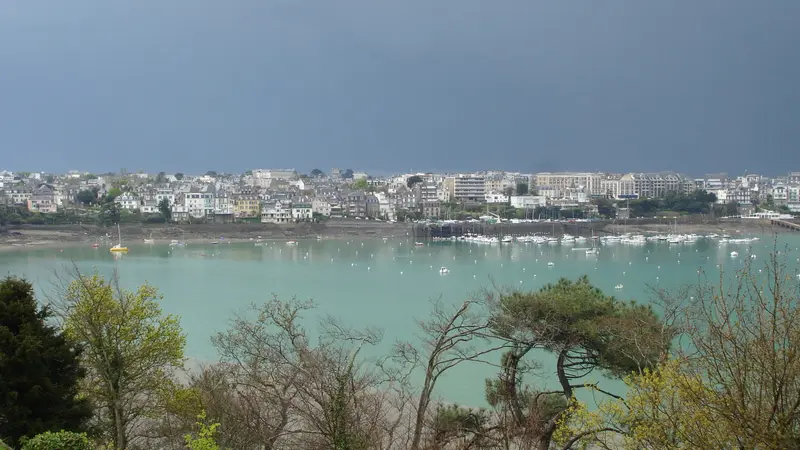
(118, 248)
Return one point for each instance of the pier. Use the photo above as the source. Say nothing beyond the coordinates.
(785, 224)
(449, 230)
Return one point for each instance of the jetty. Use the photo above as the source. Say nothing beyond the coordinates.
(785, 224)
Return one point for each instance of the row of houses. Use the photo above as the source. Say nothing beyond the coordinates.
(281, 195)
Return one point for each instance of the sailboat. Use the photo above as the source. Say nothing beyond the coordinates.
(119, 248)
(150, 239)
(591, 251)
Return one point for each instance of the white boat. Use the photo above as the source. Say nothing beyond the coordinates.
(149, 240)
(591, 251)
(734, 254)
(619, 286)
(550, 264)
(507, 239)
(419, 244)
(444, 270)
(291, 242)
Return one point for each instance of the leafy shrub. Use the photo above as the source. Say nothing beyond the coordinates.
(62, 440)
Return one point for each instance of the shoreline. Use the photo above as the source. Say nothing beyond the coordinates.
(31, 237)
(28, 237)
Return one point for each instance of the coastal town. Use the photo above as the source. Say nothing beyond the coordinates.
(281, 196)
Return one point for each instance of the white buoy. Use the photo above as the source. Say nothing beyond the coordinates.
(401, 272)
(368, 268)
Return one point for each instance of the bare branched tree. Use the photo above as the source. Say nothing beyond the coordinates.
(448, 338)
(299, 393)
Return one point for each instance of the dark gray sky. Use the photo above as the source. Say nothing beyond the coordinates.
(195, 85)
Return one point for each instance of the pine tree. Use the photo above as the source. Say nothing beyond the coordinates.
(39, 369)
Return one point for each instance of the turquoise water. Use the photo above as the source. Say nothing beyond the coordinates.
(375, 283)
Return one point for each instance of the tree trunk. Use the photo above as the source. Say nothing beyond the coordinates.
(422, 407)
(119, 429)
(543, 441)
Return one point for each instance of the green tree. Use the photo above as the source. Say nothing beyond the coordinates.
(109, 214)
(317, 173)
(412, 180)
(211, 173)
(39, 369)
(113, 193)
(509, 191)
(165, 209)
(179, 176)
(61, 440)
(205, 435)
(161, 178)
(361, 184)
(131, 350)
(347, 174)
(522, 188)
(605, 207)
(586, 331)
(735, 383)
(86, 197)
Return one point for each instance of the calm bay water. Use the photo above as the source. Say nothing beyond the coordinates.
(375, 283)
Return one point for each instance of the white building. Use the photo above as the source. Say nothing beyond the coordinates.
(302, 212)
(275, 174)
(165, 194)
(128, 201)
(321, 206)
(276, 213)
(464, 188)
(199, 204)
(223, 203)
(559, 182)
(528, 201)
(495, 198)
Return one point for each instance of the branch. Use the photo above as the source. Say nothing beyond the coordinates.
(580, 436)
